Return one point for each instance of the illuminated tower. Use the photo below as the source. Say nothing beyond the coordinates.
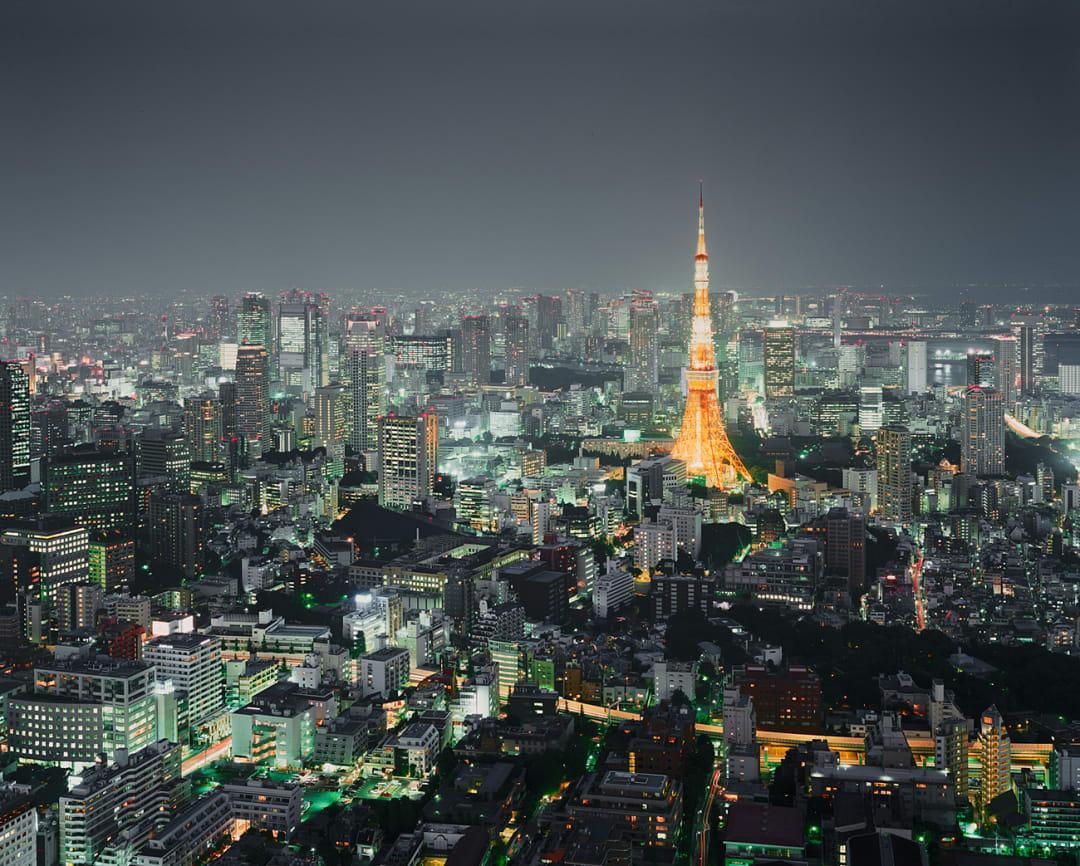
(703, 443)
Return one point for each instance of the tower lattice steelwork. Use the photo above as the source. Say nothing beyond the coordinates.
(703, 442)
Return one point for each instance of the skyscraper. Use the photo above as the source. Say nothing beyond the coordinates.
(983, 432)
(575, 311)
(703, 443)
(331, 416)
(95, 488)
(1030, 353)
(203, 429)
(871, 408)
(845, 546)
(219, 322)
(253, 323)
(111, 560)
(1005, 353)
(894, 473)
(548, 317)
(476, 348)
(516, 331)
(981, 369)
(176, 530)
(408, 457)
(164, 455)
(642, 372)
(14, 426)
(303, 361)
(253, 398)
(779, 352)
(365, 379)
(915, 366)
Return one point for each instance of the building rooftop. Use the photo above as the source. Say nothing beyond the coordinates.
(641, 781)
(763, 824)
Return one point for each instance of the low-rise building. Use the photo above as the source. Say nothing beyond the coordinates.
(648, 806)
(278, 726)
(261, 804)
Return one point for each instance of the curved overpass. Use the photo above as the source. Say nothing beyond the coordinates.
(775, 744)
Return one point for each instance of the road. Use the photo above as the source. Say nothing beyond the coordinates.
(917, 589)
(706, 811)
(207, 756)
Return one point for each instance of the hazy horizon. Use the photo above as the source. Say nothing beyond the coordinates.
(476, 147)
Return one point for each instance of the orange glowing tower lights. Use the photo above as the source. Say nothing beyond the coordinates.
(703, 443)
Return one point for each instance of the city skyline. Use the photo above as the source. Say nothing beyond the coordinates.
(387, 477)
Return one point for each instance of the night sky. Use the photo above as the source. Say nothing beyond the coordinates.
(224, 146)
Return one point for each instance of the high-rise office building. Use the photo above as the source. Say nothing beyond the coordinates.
(871, 408)
(982, 450)
(111, 560)
(894, 473)
(778, 346)
(253, 398)
(1029, 356)
(48, 430)
(303, 361)
(428, 352)
(165, 455)
(915, 366)
(331, 408)
(981, 369)
(41, 556)
(516, 332)
(124, 690)
(548, 319)
(575, 311)
(643, 369)
(192, 663)
(79, 604)
(476, 348)
(219, 322)
(18, 826)
(845, 546)
(1006, 353)
(253, 321)
(408, 458)
(95, 488)
(14, 426)
(330, 416)
(203, 429)
(364, 368)
(176, 530)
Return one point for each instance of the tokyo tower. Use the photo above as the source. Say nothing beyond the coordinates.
(703, 443)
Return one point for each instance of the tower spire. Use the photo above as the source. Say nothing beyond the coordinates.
(703, 443)
(701, 251)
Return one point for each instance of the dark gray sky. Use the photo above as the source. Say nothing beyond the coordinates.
(221, 145)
